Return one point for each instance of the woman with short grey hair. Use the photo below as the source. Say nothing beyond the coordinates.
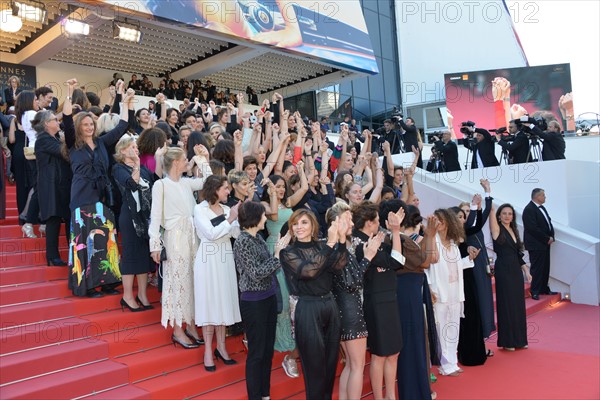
(53, 179)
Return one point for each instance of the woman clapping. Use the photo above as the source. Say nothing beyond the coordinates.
(309, 267)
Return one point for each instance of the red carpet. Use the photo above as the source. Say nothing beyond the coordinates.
(562, 362)
(56, 346)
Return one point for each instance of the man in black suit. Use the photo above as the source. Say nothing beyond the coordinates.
(482, 148)
(538, 237)
(448, 151)
(518, 149)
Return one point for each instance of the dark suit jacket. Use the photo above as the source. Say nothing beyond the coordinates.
(8, 96)
(409, 137)
(536, 229)
(554, 145)
(54, 177)
(450, 155)
(518, 150)
(485, 149)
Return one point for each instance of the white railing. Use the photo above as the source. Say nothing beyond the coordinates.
(573, 202)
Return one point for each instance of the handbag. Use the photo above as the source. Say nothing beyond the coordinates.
(489, 268)
(29, 153)
(28, 150)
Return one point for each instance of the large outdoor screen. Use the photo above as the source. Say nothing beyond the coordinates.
(332, 31)
(493, 97)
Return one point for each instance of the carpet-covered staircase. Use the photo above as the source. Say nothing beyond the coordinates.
(57, 346)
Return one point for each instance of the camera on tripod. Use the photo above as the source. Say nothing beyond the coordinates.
(502, 131)
(464, 128)
(525, 121)
(396, 115)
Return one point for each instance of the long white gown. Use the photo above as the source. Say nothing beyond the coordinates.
(215, 280)
(180, 242)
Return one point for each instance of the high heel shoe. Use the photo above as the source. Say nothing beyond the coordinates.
(42, 230)
(227, 362)
(186, 346)
(198, 341)
(210, 368)
(146, 307)
(124, 304)
(57, 262)
(27, 230)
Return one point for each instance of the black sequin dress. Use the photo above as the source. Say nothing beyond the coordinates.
(347, 288)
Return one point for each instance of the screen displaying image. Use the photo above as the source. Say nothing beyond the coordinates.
(333, 31)
(492, 98)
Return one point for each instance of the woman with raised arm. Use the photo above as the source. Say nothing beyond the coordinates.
(509, 272)
(446, 283)
(93, 251)
(380, 305)
(347, 287)
(172, 209)
(310, 266)
(412, 293)
(215, 282)
(279, 210)
(479, 303)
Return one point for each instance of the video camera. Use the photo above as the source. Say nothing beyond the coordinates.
(524, 122)
(464, 128)
(396, 115)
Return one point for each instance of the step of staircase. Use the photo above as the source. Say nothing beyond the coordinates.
(23, 275)
(126, 392)
(150, 362)
(23, 245)
(29, 292)
(29, 259)
(42, 334)
(24, 365)
(11, 231)
(74, 382)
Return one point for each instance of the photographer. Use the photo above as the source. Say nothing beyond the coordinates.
(390, 135)
(554, 143)
(516, 144)
(435, 163)
(410, 136)
(448, 151)
(481, 143)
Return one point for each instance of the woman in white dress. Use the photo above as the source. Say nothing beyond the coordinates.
(215, 280)
(172, 208)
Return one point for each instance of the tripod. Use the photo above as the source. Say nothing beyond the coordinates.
(467, 163)
(504, 157)
(535, 152)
